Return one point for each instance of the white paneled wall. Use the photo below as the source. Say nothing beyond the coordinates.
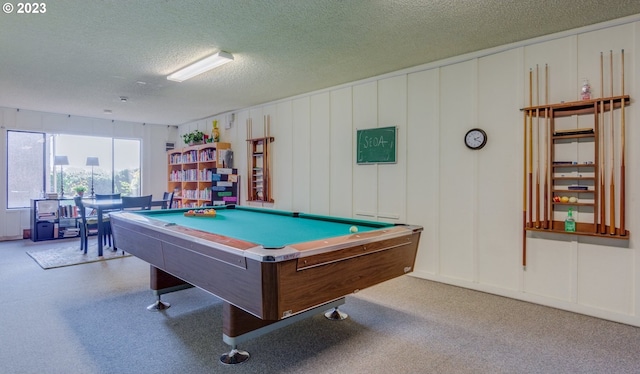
(423, 186)
(470, 203)
(283, 155)
(339, 152)
(301, 157)
(498, 86)
(458, 171)
(365, 177)
(392, 178)
(320, 153)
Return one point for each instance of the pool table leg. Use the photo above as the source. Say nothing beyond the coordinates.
(336, 315)
(160, 283)
(235, 356)
(239, 326)
(158, 305)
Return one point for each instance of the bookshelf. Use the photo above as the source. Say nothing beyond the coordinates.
(53, 219)
(224, 187)
(190, 171)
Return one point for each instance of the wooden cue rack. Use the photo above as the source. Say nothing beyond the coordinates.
(575, 150)
(259, 162)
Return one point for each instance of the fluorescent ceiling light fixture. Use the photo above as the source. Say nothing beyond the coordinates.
(201, 66)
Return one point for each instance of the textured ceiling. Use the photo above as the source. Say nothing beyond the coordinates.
(80, 56)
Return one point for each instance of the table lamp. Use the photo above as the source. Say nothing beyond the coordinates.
(61, 160)
(92, 161)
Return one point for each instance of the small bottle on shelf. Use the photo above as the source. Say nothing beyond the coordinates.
(585, 93)
(570, 223)
(215, 131)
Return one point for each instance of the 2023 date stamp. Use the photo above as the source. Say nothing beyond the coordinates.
(24, 8)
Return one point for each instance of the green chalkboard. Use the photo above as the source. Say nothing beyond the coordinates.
(377, 145)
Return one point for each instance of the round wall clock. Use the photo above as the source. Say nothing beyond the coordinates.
(475, 138)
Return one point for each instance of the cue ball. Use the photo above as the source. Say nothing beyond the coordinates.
(353, 229)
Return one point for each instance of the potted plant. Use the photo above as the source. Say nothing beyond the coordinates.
(80, 190)
(194, 137)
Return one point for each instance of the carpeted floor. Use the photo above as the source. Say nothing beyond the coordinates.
(59, 253)
(93, 319)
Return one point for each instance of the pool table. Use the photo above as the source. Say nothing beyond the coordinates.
(270, 267)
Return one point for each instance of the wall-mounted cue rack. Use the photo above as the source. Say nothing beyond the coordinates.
(574, 158)
(258, 156)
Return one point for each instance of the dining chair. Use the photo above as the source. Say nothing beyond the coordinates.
(165, 203)
(86, 223)
(136, 202)
(106, 239)
(167, 197)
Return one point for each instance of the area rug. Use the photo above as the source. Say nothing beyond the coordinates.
(70, 254)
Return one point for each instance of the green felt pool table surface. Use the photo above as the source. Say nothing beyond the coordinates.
(269, 228)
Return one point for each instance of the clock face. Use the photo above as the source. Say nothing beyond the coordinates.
(475, 138)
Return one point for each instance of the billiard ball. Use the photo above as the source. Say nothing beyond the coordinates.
(353, 229)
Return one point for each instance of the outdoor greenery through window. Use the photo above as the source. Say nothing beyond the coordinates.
(117, 169)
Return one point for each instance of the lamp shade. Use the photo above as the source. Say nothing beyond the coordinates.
(92, 161)
(61, 160)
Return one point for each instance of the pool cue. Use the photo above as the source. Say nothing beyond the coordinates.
(249, 160)
(268, 160)
(612, 183)
(524, 194)
(537, 149)
(265, 178)
(623, 230)
(249, 196)
(546, 147)
(601, 156)
(525, 223)
(530, 222)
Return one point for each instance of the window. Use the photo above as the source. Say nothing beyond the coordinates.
(77, 148)
(118, 168)
(25, 167)
(126, 164)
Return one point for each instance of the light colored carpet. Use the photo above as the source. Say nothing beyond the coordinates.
(93, 319)
(67, 253)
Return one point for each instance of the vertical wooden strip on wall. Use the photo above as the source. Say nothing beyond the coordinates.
(282, 131)
(548, 261)
(456, 171)
(498, 77)
(365, 177)
(423, 148)
(239, 146)
(341, 159)
(301, 154)
(321, 154)
(606, 275)
(392, 178)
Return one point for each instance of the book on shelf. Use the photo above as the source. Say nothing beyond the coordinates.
(46, 216)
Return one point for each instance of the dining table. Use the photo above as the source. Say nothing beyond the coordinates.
(102, 207)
